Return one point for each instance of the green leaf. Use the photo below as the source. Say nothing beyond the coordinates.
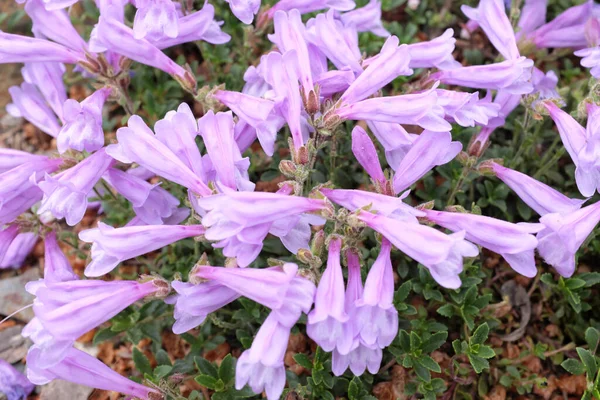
(480, 335)
(589, 361)
(303, 361)
(478, 363)
(486, 352)
(104, 334)
(592, 337)
(447, 310)
(206, 367)
(422, 371)
(429, 363)
(227, 370)
(141, 362)
(162, 370)
(434, 342)
(403, 291)
(573, 366)
(162, 358)
(207, 381)
(574, 283)
(354, 388)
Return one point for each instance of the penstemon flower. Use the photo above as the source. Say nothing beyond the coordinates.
(13, 384)
(48, 78)
(18, 249)
(29, 103)
(7, 235)
(366, 19)
(23, 49)
(10, 158)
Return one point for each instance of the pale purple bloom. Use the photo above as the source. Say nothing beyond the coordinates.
(169, 153)
(467, 109)
(13, 384)
(18, 250)
(111, 245)
(540, 197)
(66, 194)
(199, 25)
(513, 75)
(244, 10)
(591, 55)
(514, 242)
(326, 321)
(566, 30)
(376, 316)
(544, 85)
(366, 154)
(533, 15)
(54, 25)
(231, 168)
(110, 34)
(7, 235)
(308, 6)
(11, 158)
(151, 203)
(56, 264)
(392, 61)
(442, 254)
(582, 144)
(83, 369)
(334, 81)
(434, 53)
(388, 206)
(491, 17)
(193, 302)
(23, 49)
(20, 203)
(69, 309)
(261, 366)
(290, 34)
(282, 76)
(563, 236)
(240, 221)
(360, 359)
(257, 112)
(366, 19)
(395, 140)
(335, 40)
(48, 78)
(414, 109)
(429, 150)
(155, 19)
(82, 129)
(29, 103)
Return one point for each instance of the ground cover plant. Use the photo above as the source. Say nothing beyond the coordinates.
(303, 199)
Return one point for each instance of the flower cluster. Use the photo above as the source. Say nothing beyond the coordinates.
(314, 81)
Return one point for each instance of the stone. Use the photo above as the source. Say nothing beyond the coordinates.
(13, 346)
(59, 390)
(13, 295)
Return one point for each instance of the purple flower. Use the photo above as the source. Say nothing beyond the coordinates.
(533, 15)
(434, 53)
(466, 109)
(83, 369)
(7, 235)
(376, 315)
(336, 41)
(514, 242)
(199, 25)
(563, 236)
(391, 62)
(29, 103)
(334, 81)
(18, 249)
(244, 10)
(413, 109)
(491, 17)
(83, 123)
(360, 359)
(582, 144)
(441, 254)
(193, 302)
(54, 25)
(13, 384)
(23, 49)
(231, 169)
(66, 194)
(511, 75)
(566, 30)
(308, 6)
(155, 19)
(261, 366)
(172, 153)
(240, 221)
(326, 321)
(365, 152)
(56, 264)
(111, 245)
(151, 203)
(395, 140)
(48, 78)
(366, 19)
(429, 150)
(11, 158)
(540, 197)
(110, 34)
